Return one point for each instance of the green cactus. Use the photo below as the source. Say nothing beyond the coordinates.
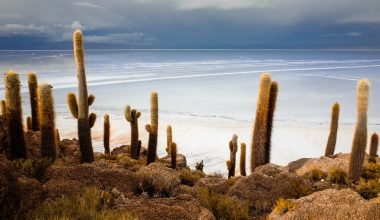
(271, 109)
(373, 148)
(330, 147)
(106, 134)
(33, 85)
(173, 155)
(152, 128)
(80, 107)
(132, 117)
(13, 111)
(360, 137)
(242, 159)
(47, 122)
(29, 123)
(260, 130)
(3, 108)
(232, 162)
(169, 138)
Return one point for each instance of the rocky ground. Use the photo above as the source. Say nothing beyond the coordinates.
(118, 187)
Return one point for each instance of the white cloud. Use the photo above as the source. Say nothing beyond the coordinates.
(87, 5)
(350, 34)
(21, 29)
(353, 34)
(123, 38)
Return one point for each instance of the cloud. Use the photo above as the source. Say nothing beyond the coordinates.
(353, 34)
(349, 34)
(22, 30)
(87, 5)
(123, 38)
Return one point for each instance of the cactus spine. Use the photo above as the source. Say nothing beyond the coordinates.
(47, 122)
(173, 155)
(14, 116)
(29, 123)
(80, 107)
(242, 159)
(231, 164)
(360, 137)
(106, 134)
(169, 139)
(259, 139)
(3, 108)
(373, 148)
(152, 128)
(132, 117)
(271, 109)
(330, 147)
(33, 85)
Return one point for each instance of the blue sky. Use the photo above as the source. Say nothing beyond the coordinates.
(48, 24)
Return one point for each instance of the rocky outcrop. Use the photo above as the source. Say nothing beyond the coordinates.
(181, 161)
(266, 185)
(217, 185)
(325, 164)
(332, 204)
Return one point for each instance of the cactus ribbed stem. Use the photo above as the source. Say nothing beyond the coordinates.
(271, 109)
(47, 122)
(132, 117)
(173, 155)
(242, 159)
(153, 129)
(360, 137)
(233, 145)
(330, 147)
(169, 138)
(106, 134)
(33, 85)
(29, 123)
(3, 108)
(16, 139)
(373, 148)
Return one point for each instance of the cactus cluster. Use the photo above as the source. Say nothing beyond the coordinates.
(231, 164)
(152, 128)
(261, 138)
(79, 108)
(132, 116)
(330, 147)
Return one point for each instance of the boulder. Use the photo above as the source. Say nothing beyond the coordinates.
(217, 185)
(332, 204)
(325, 164)
(181, 161)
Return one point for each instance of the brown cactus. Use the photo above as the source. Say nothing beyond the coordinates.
(132, 117)
(152, 128)
(3, 108)
(106, 134)
(33, 85)
(360, 138)
(373, 148)
(169, 138)
(330, 147)
(271, 109)
(232, 162)
(242, 159)
(29, 123)
(173, 155)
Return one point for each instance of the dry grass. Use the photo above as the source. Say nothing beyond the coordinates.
(368, 189)
(284, 205)
(300, 189)
(32, 168)
(92, 204)
(223, 206)
(338, 176)
(190, 177)
(315, 174)
(371, 171)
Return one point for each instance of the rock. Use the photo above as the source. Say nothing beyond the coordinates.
(217, 185)
(325, 164)
(125, 149)
(332, 204)
(9, 189)
(69, 151)
(180, 207)
(181, 161)
(158, 180)
(266, 185)
(32, 194)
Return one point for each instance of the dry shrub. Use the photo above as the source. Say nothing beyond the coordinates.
(371, 171)
(284, 205)
(368, 189)
(299, 188)
(315, 174)
(32, 168)
(190, 177)
(338, 176)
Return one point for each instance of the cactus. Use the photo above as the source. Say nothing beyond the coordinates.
(152, 128)
(173, 155)
(360, 137)
(3, 108)
(231, 164)
(29, 123)
(79, 108)
(47, 122)
(33, 85)
(169, 138)
(199, 165)
(373, 148)
(271, 108)
(106, 134)
(13, 111)
(242, 159)
(132, 117)
(138, 148)
(57, 136)
(259, 139)
(330, 147)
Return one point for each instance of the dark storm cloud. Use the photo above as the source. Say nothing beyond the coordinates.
(191, 24)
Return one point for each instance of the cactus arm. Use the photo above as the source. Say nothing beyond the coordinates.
(92, 119)
(73, 105)
(91, 99)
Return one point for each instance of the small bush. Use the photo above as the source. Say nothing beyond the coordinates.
(338, 176)
(32, 168)
(283, 206)
(190, 177)
(371, 171)
(300, 189)
(223, 206)
(92, 204)
(368, 189)
(315, 174)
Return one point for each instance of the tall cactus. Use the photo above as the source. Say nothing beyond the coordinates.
(173, 155)
(169, 138)
(106, 134)
(13, 111)
(3, 108)
(373, 148)
(47, 122)
(330, 147)
(29, 125)
(33, 85)
(360, 137)
(271, 109)
(152, 128)
(260, 130)
(80, 107)
(242, 159)
(132, 117)
(231, 164)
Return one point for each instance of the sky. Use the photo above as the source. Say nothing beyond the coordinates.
(191, 24)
